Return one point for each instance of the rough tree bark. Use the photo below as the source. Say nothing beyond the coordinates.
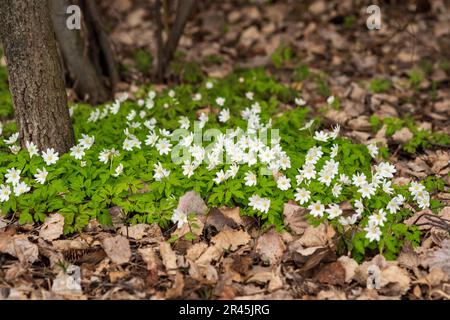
(87, 54)
(167, 50)
(86, 81)
(35, 74)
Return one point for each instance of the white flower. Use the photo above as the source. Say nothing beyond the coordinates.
(373, 232)
(300, 102)
(209, 85)
(334, 134)
(5, 192)
(232, 171)
(325, 176)
(32, 149)
(260, 204)
(333, 211)
(151, 94)
(203, 118)
(171, 93)
(150, 124)
(359, 179)
(367, 190)
(284, 162)
(387, 187)
(118, 171)
(21, 188)
(330, 100)
(308, 171)
(385, 170)
(131, 115)
(77, 152)
(197, 97)
(343, 178)
(302, 195)
(179, 217)
(336, 190)
(266, 156)
(224, 115)
(87, 141)
(373, 150)
(249, 95)
(163, 146)
(184, 122)
(41, 176)
(394, 204)
(334, 150)
(359, 207)
(104, 156)
(378, 219)
(12, 139)
(12, 176)
(1, 128)
(220, 177)
(14, 149)
(321, 136)
(151, 139)
(307, 125)
(316, 209)
(283, 183)
(160, 172)
(250, 179)
(415, 188)
(423, 202)
(188, 168)
(220, 101)
(94, 115)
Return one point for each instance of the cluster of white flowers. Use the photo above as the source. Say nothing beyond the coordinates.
(234, 149)
(259, 203)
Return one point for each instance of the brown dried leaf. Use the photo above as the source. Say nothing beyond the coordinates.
(176, 290)
(52, 228)
(317, 236)
(270, 247)
(169, 258)
(229, 239)
(118, 249)
(294, 218)
(438, 258)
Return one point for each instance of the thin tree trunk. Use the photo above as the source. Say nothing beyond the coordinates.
(86, 81)
(184, 11)
(35, 74)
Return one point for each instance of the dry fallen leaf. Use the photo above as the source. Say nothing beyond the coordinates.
(402, 136)
(118, 249)
(229, 239)
(139, 231)
(177, 288)
(19, 246)
(191, 202)
(438, 258)
(317, 236)
(294, 218)
(52, 228)
(169, 257)
(270, 247)
(349, 266)
(331, 273)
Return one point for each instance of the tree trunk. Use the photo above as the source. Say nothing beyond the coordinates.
(166, 51)
(35, 75)
(87, 54)
(86, 82)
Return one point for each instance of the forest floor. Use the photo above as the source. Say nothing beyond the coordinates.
(401, 71)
